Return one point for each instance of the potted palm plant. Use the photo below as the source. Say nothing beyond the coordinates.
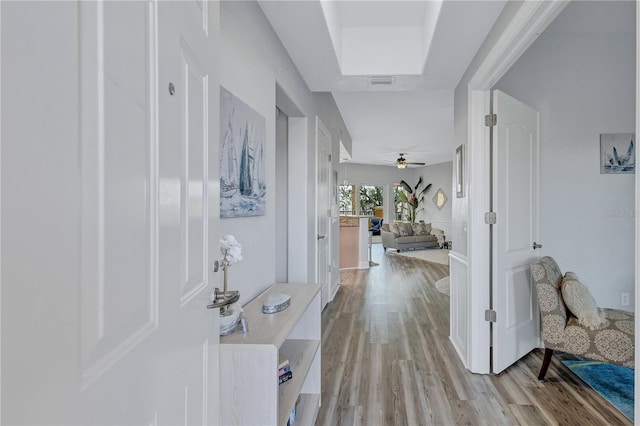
(412, 198)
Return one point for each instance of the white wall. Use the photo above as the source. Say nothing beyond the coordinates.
(439, 175)
(374, 175)
(253, 61)
(580, 75)
(249, 77)
(41, 232)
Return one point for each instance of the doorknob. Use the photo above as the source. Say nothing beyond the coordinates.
(321, 237)
(536, 245)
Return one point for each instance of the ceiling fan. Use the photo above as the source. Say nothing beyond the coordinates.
(402, 162)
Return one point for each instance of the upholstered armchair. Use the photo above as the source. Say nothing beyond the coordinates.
(610, 341)
(376, 223)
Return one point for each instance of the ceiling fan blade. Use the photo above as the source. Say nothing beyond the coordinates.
(402, 162)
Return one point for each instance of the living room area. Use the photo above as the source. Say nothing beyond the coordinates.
(376, 192)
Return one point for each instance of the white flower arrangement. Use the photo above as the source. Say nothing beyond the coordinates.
(231, 253)
(231, 250)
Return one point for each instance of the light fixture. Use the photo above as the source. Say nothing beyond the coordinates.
(402, 162)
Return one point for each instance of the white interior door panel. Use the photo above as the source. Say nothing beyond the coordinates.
(516, 196)
(107, 176)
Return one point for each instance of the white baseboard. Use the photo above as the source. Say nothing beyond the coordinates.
(335, 290)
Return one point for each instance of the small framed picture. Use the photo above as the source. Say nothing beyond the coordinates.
(460, 171)
(617, 153)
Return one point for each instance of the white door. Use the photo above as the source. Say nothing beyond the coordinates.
(189, 201)
(515, 198)
(104, 278)
(323, 211)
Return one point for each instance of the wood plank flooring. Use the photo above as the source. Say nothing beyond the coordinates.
(387, 360)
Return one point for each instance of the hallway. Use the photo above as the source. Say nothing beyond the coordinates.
(387, 360)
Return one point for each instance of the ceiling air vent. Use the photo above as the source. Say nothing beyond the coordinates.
(381, 81)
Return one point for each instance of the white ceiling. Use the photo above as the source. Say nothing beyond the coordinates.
(424, 46)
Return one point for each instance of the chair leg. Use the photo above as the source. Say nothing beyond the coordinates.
(545, 363)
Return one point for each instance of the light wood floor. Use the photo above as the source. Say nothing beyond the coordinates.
(387, 360)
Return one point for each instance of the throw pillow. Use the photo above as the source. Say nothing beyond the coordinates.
(405, 229)
(580, 301)
(419, 229)
(427, 226)
(394, 228)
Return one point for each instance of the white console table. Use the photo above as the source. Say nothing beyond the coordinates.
(249, 390)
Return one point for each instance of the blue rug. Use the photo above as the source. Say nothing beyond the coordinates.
(613, 382)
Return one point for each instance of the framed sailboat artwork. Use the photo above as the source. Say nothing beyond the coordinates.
(617, 153)
(243, 186)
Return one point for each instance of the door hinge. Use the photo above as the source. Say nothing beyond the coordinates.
(329, 157)
(490, 218)
(490, 120)
(490, 315)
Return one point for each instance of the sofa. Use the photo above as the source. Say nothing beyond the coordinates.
(572, 322)
(405, 235)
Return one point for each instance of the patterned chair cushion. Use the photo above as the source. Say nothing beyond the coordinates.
(547, 278)
(613, 341)
(580, 302)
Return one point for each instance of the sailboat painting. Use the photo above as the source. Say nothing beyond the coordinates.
(617, 153)
(243, 186)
